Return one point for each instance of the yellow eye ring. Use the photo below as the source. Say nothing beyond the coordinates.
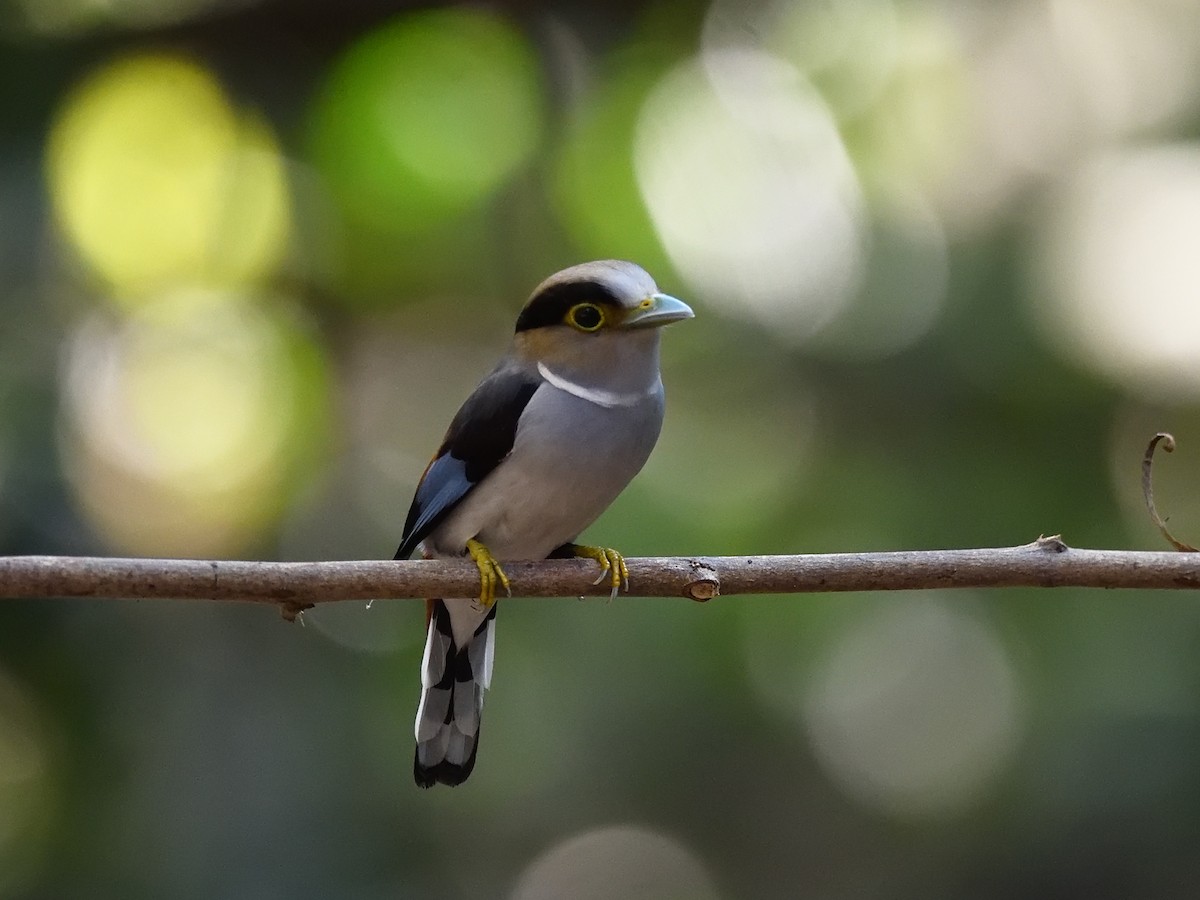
(586, 317)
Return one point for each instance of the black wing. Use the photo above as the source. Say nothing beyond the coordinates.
(480, 436)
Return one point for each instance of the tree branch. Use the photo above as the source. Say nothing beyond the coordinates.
(294, 586)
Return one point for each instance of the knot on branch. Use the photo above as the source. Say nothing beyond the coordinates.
(705, 583)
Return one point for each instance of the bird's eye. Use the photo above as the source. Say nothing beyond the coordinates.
(586, 317)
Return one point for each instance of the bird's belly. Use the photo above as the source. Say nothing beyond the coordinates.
(561, 475)
(540, 517)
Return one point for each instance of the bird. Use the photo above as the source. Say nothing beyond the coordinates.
(541, 447)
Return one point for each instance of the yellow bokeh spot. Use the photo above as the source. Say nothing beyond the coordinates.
(189, 422)
(199, 392)
(157, 179)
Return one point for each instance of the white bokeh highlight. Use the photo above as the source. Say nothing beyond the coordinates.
(916, 710)
(1054, 81)
(629, 862)
(1118, 283)
(747, 182)
(853, 47)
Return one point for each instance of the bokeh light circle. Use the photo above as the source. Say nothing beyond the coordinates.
(426, 116)
(619, 861)
(750, 188)
(157, 179)
(1117, 282)
(916, 710)
(189, 423)
(850, 49)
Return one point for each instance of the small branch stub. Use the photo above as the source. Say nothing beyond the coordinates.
(707, 584)
(1051, 543)
(292, 612)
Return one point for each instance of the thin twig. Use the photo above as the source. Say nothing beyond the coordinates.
(1047, 562)
(1168, 445)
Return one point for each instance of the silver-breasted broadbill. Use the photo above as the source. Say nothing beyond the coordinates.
(537, 452)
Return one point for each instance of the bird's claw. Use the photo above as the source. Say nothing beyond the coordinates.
(490, 573)
(612, 566)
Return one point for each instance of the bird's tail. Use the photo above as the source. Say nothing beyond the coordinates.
(455, 674)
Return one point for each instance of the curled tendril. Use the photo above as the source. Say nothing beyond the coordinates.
(1168, 445)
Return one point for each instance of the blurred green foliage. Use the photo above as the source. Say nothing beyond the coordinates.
(942, 255)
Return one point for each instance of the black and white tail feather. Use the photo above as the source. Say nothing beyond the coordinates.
(456, 672)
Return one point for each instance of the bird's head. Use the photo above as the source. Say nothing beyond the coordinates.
(599, 323)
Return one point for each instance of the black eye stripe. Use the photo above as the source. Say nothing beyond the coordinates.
(550, 307)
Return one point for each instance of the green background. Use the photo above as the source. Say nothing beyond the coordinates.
(944, 262)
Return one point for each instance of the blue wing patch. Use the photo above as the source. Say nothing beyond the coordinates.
(480, 436)
(444, 484)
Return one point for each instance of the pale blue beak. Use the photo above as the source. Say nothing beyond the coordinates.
(656, 310)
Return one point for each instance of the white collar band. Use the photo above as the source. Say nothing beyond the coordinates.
(600, 397)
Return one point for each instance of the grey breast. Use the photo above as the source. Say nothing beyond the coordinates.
(570, 460)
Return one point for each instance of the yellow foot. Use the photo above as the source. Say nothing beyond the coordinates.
(490, 573)
(612, 565)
